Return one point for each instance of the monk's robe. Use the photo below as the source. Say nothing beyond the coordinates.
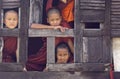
(9, 49)
(37, 61)
(67, 9)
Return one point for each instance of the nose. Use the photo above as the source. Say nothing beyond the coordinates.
(55, 22)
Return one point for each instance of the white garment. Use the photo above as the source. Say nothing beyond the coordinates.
(116, 54)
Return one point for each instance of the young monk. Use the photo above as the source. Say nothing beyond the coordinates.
(10, 43)
(54, 19)
(66, 7)
(38, 61)
(63, 53)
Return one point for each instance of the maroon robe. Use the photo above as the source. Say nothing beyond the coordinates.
(68, 17)
(37, 62)
(9, 49)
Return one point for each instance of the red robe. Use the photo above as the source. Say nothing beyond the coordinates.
(67, 9)
(37, 62)
(9, 49)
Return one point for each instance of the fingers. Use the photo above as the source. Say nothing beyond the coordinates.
(62, 29)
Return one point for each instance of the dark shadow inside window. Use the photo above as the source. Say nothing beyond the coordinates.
(94, 25)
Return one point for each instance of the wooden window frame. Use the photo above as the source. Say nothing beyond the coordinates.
(21, 33)
(79, 34)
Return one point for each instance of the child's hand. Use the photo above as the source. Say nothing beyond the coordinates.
(62, 29)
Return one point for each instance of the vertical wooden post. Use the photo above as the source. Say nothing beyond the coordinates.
(78, 30)
(107, 33)
(24, 25)
(1, 42)
(50, 50)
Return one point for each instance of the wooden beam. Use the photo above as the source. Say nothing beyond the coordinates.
(9, 32)
(50, 50)
(107, 33)
(87, 15)
(24, 25)
(78, 30)
(1, 40)
(77, 67)
(115, 32)
(92, 4)
(92, 32)
(56, 75)
(10, 67)
(48, 32)
(11, 4)
(0, 14)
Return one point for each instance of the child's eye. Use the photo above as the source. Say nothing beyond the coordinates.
(57, 19)
(65, 54)
(52, 20)
(9, 18)
(14, 19)
(60, 55)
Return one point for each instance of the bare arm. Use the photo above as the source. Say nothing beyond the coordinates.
(41, 26)
(70, 43)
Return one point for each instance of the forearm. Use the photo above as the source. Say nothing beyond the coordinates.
(70, 43)
(41, 26)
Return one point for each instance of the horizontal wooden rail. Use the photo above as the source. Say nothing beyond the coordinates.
(11, 67)
(9, 32)
(78, 67)
(48, 32)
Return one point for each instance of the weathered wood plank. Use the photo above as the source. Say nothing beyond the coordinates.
(115, 23)
(115, 32)
(93, 1)
(50, 50)
(91, 15)
(48, 32)
(24, 25)
(92, 32)
(77, 67)
(106, 34)
(9, 32)
(116, 75)
(0, 13)
(92, 4)
(56, 75)
(11, 0)
(36, 13)
(95, 50)
(11, 3)
(78, 39)
(16, 67)
(117, 26)
(115, 14)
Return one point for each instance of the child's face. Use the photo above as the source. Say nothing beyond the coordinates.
(62, 55)
(11, 20)
(54, 19)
